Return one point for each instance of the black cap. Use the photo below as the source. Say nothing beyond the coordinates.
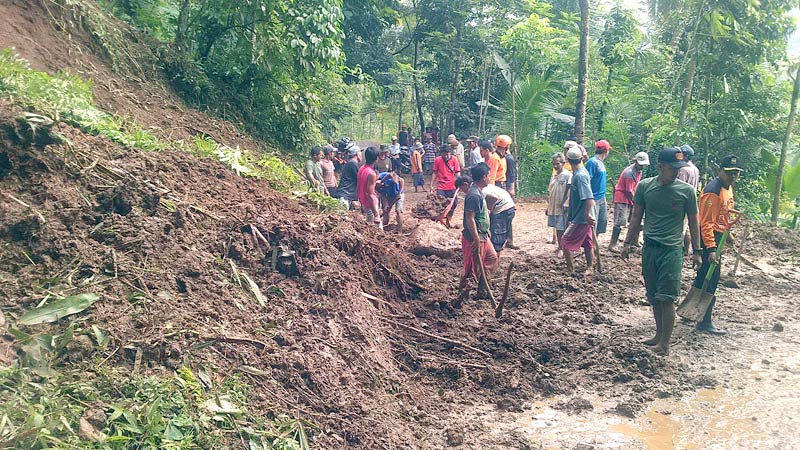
(673, 156)
(730, 162)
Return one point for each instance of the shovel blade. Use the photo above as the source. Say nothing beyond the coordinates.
(695, 304)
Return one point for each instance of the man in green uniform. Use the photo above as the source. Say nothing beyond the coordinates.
(664, 202)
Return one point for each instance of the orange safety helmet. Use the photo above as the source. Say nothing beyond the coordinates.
(503, 140)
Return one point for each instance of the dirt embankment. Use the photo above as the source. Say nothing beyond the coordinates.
(354, 334)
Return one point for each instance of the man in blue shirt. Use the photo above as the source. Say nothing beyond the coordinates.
(597, 173)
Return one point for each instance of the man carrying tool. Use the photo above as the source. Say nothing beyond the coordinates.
(664, 202)
(597, 173)
(443, 181)
(480, 258)
(623, 195)
(580, 214)
(715, 203)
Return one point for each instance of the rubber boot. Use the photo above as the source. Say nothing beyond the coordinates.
(510, 239)
(612, 246)
(706, 324)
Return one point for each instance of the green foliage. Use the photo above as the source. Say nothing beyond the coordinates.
(121, 411)
(68, 98)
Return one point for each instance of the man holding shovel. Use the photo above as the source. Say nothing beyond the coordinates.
(664, 202)
(480, 258)
(715, 203)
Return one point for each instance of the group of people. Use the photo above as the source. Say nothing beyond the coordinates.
(664, 206)
(667, 203)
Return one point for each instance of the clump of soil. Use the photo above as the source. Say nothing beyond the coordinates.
(433, 206)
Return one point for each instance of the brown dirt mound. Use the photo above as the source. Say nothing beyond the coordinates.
(432, 207)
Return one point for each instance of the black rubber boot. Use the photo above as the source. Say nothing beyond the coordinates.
(706, 325)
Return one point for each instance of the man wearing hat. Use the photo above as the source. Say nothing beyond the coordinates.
(664, 202)
(443, 180)
(501, 145)
(597, 172)
(623, 195)
(384, 162)
(475, 157)
(715, 202)
(416, 167)
(580, 214)
(458, 149)
(394, 147)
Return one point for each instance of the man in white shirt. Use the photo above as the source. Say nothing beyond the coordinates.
(502, 210)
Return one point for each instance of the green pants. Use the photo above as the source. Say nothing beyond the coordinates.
(661, 269)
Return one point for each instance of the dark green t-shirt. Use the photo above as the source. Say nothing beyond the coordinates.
(665, 208)
(476, 203)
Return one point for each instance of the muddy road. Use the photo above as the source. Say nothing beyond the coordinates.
(732, 392)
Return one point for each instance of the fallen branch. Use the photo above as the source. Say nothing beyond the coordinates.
(439, 338)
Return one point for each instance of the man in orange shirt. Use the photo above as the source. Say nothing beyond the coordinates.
(491, 159)
(501, 144)
(416, 167)
(715, 202)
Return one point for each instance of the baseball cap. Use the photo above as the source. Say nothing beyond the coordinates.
(473, 139)
(485, 144)
(687, 150)
(328, 149)
(574, 153)
(394, 138)
(672, 156)
(730, 162)
(602, 144)
(643, 159)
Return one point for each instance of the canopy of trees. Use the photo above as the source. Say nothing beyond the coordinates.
(712, 74)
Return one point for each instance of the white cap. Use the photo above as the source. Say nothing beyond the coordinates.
(574, 153)
(643, 159)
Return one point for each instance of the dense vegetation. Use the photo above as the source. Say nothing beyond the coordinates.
(712, 74)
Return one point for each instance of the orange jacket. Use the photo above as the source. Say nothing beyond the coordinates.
(715, 201)
(494, 165)
(502, 169)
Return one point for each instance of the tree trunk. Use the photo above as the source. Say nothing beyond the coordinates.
(583, 70)
(687, 95)
(776, 199)
(601, 116)
(709, 92)
(181, 31)
(416, 90)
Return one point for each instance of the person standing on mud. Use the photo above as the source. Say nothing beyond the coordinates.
(384, 162)
(501, 146)
(391, 188)
(476, 247)
(475, 157)
(501, 217)
(329, 170)
(715, 203)
(313, 171)
(416, 167)
(689, 174)
(664, 202)
(428, 157)
(367, 179)
(511, 174)
(445, 171)
(458, 149)
(580, 214)
(597, 172)
(348, 182)
(558, 198)
(623, 196)
(490, 158)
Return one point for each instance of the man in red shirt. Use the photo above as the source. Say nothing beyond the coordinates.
(623, 195)
(443, 181)
(366, 180)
